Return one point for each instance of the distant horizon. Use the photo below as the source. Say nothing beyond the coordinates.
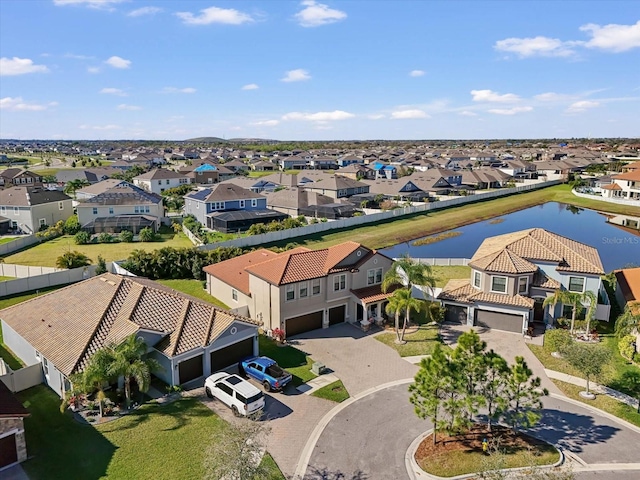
(308, 70)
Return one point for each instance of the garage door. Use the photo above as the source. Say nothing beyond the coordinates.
(304, 323)
(8, 453)
(456, 314)
(231, 355)
(499, 321)
(336, 314)
(190, 369)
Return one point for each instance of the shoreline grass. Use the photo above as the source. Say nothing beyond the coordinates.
(436, 238)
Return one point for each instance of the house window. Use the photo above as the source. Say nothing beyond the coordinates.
(146, 209)
(159, 182)
(339, 282)
(234, 294)
(290, 293)
(304, 290)
(241, 203)
(315, 286)
(95, 210)
(499, 284)
(523, 284)
(576, 284)
(218, 205)
(42, 222)
(477, 276)
(60, 206)
(342, 193)
(110, 210)
(15, 210)
(45, 366)
(374, 276)
(136, 209)
(3, 210)
(166, 182)
(254, 202)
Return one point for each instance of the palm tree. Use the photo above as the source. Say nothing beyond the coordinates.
(72, 259)
(590, 298)
(406, 272)
(568, 298)
(629, 321)
(73, 185)
(96, 374)
(129, 362)
(402, 301)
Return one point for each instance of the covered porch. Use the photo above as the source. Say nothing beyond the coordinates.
(370, 305)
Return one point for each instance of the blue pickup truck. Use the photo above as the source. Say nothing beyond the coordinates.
(265, 371)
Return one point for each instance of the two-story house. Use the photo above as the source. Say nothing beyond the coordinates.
(17, 177)
(335, 186)
(227, 207)
(624, 186)
(160, 179)
(116, 206)
(32, 208)
(512, 275)
(301, 290)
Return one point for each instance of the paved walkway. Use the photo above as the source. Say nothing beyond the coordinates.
(317, 383)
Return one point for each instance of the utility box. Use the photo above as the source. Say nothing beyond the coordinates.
(318, 368)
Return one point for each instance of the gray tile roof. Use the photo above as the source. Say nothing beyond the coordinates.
(30, 196)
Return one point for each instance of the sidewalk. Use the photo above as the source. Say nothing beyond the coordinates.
(317, 383)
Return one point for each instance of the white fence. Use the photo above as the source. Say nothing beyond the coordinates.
(41, 281)
(618, 201)
(281, 235)
(444, 262)
(120, 270)
(195, 240)
(22, 379)
(18, 244)
(24, 271)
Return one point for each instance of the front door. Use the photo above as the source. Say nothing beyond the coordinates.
(538, 310)
(372, 311)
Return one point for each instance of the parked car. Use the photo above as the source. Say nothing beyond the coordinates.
(238, 394)
(266, 371)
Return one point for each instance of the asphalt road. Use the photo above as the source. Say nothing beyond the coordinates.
(368, 439)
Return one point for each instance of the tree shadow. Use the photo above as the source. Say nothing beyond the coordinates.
(317, 473)
(571, 431)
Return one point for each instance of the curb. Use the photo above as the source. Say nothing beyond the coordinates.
(416, 473)
(305, 456)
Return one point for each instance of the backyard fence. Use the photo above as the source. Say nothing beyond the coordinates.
(24, 271)
(282, 235)
(618, 201)
(45, 280)
(444, 262)
(21, 379)
(18, 244)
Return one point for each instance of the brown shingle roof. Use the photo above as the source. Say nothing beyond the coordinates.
(373, 293)
(69, 325)
(629, 282)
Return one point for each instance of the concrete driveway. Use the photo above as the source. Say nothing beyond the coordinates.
(356, 357)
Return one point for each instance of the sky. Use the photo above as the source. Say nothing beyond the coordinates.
(319, 70)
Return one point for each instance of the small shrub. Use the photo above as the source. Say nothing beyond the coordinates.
(101, 266)
(72, 225)
(105, 237)
(82, 238)
(627, 346)
(147, 235)
(126, 236)
(557, 340)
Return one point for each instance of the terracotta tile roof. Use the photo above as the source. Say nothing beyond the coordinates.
(461, 291)
(537, 244)
(629, 281)
(630, 175)
(232, 271)
(372, 294)
(541, 280)
(504, 261)
(68, 325)
(611, 186)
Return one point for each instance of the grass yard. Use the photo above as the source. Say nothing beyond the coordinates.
(446, 273)
(193, 288)
(4, 279)
(45, 254)
(6, 240)
(389, 233)
(421, 342)
(160, 442)
(336, 392)
(294, 361)
(603, 402)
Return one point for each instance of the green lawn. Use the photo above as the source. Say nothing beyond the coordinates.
(603, 402)
(420, 342)
(45, 254)
(193, 288)
(294, 361)
(6, 240)
(336, 392)
(446, 273)
(385, 234)
(4, 279)
(155, 441)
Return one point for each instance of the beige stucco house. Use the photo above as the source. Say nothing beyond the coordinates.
(301, 289)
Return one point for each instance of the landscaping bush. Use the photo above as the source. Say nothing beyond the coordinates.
(147, 235)
(72, 225)
(105, 237)
(557, 340)
(49, 233)
(101, 266)
(73, 259)
(627, 347)
(126, 236)
(82, 238)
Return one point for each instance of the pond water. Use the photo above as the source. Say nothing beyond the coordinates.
(618, 247)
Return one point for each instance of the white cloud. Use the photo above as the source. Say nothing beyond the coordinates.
(550, 97)
(113, 91)
(130, 108)
(316, 14)
(19, 66)
(89, 3)
(581, 106)
(118, 62)
(266, 123)
(139, 12)
(376, 116)
(297, 75)
(491, 96)
(250, 86)
(226, 16)
(409, 114)
(542, 46)
(93, 70)
(16, 104)
(416, 73)
(510, 111)
(468, 113)
(616, 38)
(319, 116)
(178, 90)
